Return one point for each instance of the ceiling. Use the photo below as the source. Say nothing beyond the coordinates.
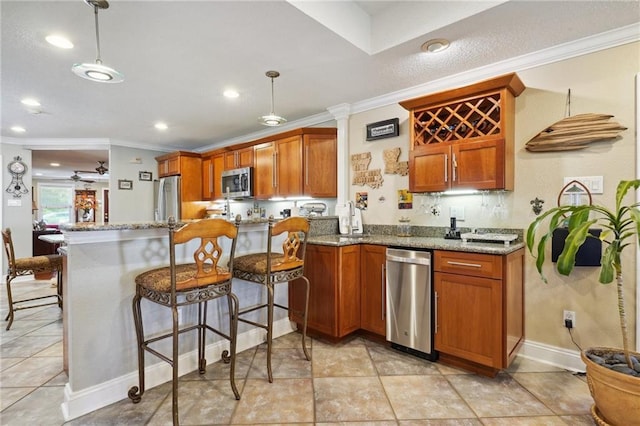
(179, 56)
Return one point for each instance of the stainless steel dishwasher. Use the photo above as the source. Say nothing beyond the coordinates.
(410, 301)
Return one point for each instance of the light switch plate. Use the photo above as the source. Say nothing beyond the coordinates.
(595, 184)
(13, 202)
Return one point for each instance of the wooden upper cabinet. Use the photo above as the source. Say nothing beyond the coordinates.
(320, 165)
(238, 158)
(299, 162)
(464, 138)
(189, 166)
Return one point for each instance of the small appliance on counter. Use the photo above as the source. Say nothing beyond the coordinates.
(453, 233)
(348, 215)
(312, 209)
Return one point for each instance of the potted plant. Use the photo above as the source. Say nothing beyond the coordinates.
(616, 394)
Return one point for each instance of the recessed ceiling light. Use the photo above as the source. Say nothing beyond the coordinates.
(230, 93)
(18, 129)
(30, 102)
(59, 41)
(161, 126)
(54, 164)
(434, 46)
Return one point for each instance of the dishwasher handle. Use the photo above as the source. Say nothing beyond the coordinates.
(415, 261)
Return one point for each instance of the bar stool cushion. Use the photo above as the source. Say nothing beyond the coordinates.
(43, 263)
(160, 279)
(256, 263)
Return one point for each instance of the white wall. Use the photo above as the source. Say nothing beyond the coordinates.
(136, 204)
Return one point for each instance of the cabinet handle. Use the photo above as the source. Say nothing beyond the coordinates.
(471, 265)
(383, 292)
(275, 169)
(306, 165)
(435, 312)
(211, 179)
(454, 167)
(446, 171)
(235, 159)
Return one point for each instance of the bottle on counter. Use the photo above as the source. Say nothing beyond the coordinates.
(404, 227)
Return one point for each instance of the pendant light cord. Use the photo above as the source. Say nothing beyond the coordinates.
(272, 102)
(98, 60)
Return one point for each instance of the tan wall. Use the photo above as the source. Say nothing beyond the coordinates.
(602, 82)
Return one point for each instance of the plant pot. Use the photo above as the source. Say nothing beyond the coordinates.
(616, 395)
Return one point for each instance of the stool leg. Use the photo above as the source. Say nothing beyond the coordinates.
(174, 363)
(304, 320)
(233, 333)
(202, 329)
(135, 392)
(269, 329)
(10, 301)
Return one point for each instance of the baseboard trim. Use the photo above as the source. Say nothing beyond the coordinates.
(79, 403)
(552, 355)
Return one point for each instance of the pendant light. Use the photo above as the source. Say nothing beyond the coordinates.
(96, 71)
(272, 119)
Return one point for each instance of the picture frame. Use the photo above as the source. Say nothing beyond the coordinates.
(125, 184)
(146, 176)
(383, 129)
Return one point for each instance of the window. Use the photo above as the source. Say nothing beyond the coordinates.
(55, 203)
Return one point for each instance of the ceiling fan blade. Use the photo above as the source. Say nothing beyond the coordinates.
(101, 169)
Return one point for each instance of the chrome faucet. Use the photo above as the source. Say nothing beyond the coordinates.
(351, 214)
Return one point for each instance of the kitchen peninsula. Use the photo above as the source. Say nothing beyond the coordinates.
(101, 262)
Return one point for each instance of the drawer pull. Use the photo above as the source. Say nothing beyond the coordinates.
(472, 265)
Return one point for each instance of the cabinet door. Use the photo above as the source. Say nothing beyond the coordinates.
(238, 158)
(320, 268)
(429, 168)
(348, 289)
(230, 160)
(469, 318)
(207, 178)
(289, 166)
(320, 166)
(372, 288)
(479, 165)
(218, 167)
(264, 172)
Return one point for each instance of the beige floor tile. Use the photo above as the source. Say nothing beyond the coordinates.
(54, 350)
(441, 422)
(447, 369)
(341, 399)
(220, 370)
(524, 421)
(59, 380)
(125, 412)
(9, 396)
(199, 403)
(526, 365)
(381, 423)
(290, 340)
(562, 392)
(424, 397)
(40, 407)
(285, 363)
(8, 362)
(52, 329)
(390, 362)
(342, 361)
(283, 401)
(585, 420)
(500, 396)
(31, 372)
(352, 340)
(27, 346)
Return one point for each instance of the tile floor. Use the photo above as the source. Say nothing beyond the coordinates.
(358, 382)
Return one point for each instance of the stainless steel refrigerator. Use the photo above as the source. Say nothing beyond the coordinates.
(167, 198)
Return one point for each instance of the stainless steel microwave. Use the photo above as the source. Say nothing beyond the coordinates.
(238, 183)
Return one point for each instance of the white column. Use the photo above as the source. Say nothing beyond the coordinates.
(341, 114)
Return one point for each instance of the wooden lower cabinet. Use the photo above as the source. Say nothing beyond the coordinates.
(334, 300)
(479, 308)
(373, 288)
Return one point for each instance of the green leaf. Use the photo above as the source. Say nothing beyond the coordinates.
(607, 271)
(575, 239)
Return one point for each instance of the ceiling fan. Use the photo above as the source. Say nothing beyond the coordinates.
(77, 178)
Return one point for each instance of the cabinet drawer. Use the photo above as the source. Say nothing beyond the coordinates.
(473, 264)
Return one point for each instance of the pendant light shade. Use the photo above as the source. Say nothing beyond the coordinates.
(272, 119)
(96, 71)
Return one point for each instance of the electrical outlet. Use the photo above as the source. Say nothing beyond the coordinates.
(569, 316)
(457, 212)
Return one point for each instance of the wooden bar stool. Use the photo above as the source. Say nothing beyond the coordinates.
(270, 268)
(26, 266)
(179, 285)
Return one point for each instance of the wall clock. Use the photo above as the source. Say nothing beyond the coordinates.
(17, 168)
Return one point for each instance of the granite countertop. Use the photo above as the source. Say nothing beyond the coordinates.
(435, 243)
